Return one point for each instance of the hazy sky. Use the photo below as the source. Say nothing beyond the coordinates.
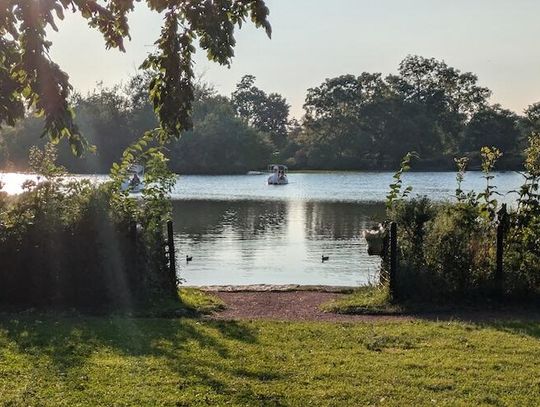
(317, 39)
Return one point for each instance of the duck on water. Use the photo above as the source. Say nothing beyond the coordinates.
(278, 174)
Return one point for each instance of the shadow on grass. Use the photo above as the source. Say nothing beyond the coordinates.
(518, 318)
(190, 348)
(528, 328)
(514, 320)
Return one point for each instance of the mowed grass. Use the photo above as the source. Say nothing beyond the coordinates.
(120, 361)
(199, 302)
(370, 300)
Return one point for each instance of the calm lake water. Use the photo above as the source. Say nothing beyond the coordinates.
(241, 231)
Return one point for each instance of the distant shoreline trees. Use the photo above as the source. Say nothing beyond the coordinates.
(370, 122)
(364, 122)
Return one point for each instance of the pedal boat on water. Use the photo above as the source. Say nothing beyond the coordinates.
(134, 181)
(278, 174)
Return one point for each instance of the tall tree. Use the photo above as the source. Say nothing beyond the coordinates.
(447, 95)
(440, 86)
(30, 80)
(532, 118)
(220, 142)
(429, 107)
(492, 126)
(267, 113)
(106, 116)
(113, 118)
(344, 116)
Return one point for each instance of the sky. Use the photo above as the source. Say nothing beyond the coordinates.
(317, 39)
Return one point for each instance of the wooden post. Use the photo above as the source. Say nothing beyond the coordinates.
(171, 251)
(499, 271)
(393, 259)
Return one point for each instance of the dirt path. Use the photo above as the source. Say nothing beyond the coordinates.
(286, 306)
(304, 306)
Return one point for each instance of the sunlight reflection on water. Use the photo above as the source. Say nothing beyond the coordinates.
(274, 242)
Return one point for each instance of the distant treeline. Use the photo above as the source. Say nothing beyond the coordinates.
(365, 122)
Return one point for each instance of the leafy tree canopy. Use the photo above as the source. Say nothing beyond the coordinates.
(344, 95)
(492, 126)
(267, 113)
(424, 108)
(532, 117)
(112, 119)
(30, 80)
(219, 142)
(440, 86)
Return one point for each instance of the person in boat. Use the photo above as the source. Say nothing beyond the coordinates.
(276, 174)
(135, 181)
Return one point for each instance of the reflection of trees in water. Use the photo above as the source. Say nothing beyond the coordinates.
(339, 220)
(246, 220)
(255, 219)
(206, 220)
(197, 219)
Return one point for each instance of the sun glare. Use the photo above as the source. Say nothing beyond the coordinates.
(12, 182)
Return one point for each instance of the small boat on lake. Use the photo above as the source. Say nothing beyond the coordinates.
(278, 174)
(134, 181)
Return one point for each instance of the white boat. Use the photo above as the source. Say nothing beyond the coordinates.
(134, 181)
(278, 174)
(375, 239)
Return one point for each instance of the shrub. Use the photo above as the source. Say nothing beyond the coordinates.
(448, 251)
(522, 259)
(459, 248)
(66, 242)
(522, 251)
(412, 216)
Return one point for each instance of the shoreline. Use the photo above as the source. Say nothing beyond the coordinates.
(273, 288)
(299, 305)
(299, 171)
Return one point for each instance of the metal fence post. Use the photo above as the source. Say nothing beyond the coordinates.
(499, 271)
(393, 259)
(133, 231)
(133, 248)
(385, 259)
(171, 252)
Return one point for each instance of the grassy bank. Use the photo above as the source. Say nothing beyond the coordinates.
(198, 302)
(72, 361)
(376, 300)
(372, 300)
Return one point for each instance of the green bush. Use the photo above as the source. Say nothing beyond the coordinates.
(522, 259)
(412, 216)
(69, 243)
(522, 254)
(460, 250)
(448, 251)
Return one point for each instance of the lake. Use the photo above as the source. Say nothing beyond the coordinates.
(241, 231)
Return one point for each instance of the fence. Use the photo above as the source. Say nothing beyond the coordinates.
(390, 272)
(170, 254)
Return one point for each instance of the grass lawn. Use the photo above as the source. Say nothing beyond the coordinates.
(82, 361)
(364, 300)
